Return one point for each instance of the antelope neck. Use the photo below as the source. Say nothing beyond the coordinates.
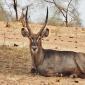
(38, 57)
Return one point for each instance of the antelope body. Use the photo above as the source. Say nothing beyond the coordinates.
(50, 62)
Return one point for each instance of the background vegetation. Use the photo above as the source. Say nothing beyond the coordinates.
(62, 12)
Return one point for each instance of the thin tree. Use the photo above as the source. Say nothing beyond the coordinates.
(22, 18)
(15, 8)
(65, 11)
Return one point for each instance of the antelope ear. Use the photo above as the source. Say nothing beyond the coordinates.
(25, 33)
(45, 33)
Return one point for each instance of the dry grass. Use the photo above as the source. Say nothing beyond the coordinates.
(71, 38)
(15, 62)
(15, 65)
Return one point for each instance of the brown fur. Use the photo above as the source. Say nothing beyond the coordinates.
(50, 62)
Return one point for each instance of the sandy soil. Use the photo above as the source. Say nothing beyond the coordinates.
(15, 66)
(15, 62)
(60, 38)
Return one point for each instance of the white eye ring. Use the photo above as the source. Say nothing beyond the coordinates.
(32, 39)
(38, 39)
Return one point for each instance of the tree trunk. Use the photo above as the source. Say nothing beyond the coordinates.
(66, 20)
(15, 8)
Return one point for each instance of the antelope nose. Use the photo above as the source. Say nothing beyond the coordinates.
(34, 48)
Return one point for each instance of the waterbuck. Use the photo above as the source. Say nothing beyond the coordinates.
(49, 62)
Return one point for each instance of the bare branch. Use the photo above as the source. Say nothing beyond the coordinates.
(60, 8)
(68, 5)
(48, 1)
(15, 8)
(64, 11)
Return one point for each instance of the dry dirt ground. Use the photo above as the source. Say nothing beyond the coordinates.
(15, 62)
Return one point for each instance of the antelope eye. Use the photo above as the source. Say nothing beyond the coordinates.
(38, 39)
(31, 39)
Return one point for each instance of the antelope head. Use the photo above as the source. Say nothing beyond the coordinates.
(35, 39)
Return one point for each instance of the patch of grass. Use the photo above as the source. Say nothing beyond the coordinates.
(14, 60)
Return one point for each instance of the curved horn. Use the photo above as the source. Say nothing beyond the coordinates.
(45, 22)
(26, 19)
